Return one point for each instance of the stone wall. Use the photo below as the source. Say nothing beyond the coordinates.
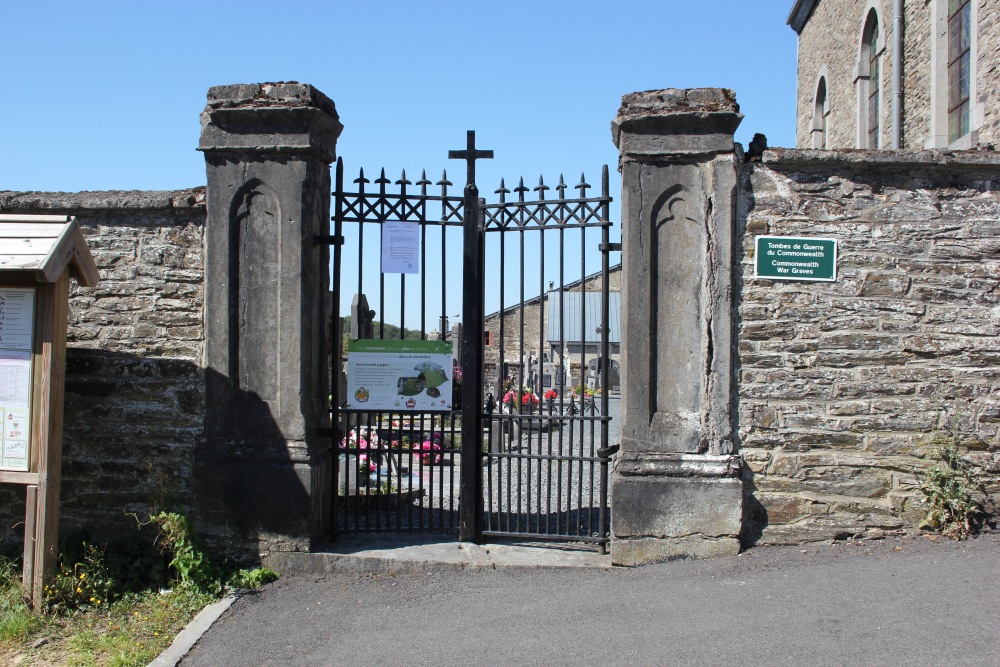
(842, 385)
(134, 384)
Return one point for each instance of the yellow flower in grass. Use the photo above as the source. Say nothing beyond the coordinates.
(79, 590)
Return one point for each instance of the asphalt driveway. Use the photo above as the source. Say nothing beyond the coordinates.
(898, 601)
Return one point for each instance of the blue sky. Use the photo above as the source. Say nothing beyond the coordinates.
(106, 95)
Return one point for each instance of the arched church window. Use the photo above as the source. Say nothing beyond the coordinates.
(870, 89)
(959, 67)
(820, 111)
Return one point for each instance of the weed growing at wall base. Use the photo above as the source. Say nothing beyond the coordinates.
(949, 490)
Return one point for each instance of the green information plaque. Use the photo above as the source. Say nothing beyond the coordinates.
(399, 375)
(792, 258)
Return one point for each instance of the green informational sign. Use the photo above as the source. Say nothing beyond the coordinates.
(399, 375)
(792, 258)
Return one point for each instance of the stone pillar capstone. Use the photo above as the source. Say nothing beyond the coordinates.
(263, 469)
(676, 489)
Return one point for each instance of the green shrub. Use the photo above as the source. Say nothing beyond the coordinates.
(190, 563)
(949, 489)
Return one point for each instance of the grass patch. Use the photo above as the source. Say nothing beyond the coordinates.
(133, 630)
(117, 605)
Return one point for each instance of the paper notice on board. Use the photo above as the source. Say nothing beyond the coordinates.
(15, 404)
(17, 319)
(400, 247)
(17, 309)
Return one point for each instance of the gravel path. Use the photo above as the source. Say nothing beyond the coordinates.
(540, 482)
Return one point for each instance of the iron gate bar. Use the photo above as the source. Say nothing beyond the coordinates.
(605, 248)
(470, 504)
(337, 341)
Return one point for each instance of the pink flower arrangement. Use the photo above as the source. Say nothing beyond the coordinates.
(522, 397)
(363, 438)
(426, 450)
(428, 455)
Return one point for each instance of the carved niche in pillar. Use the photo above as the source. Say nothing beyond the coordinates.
(678, 331)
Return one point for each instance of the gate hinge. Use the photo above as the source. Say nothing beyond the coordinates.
(608, 452)
(610, 247)
(328, 239)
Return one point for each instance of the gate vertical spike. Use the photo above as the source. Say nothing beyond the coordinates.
(502, 191)
(541, 188)
(604, 181)
(520, 189)
(361, 180)
(423, 183)
(561, 188)
(444, 182)
(582, 186)
(402, 183)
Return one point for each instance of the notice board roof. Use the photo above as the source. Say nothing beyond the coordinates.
(43, 246)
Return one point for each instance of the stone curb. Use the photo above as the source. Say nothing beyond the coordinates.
(192, 632)
(438, 558)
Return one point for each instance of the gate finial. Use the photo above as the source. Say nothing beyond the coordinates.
(470, 155)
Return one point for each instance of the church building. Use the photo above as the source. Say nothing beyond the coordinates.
(910, 74)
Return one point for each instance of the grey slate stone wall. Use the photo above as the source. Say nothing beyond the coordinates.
(842, 385)
(134, 386)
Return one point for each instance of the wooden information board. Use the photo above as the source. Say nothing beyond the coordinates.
(37, 256)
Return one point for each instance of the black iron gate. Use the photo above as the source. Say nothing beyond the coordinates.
(523, 449)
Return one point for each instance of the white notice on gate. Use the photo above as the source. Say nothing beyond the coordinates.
(400, 247)
(17, 318)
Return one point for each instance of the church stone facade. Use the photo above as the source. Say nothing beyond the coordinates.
(911, 74)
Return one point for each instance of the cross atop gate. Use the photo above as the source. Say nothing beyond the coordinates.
(470, 155)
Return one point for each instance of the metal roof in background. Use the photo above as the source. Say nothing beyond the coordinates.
(581, 311)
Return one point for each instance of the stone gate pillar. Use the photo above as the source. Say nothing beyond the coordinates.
(676, 489)
(263, 471)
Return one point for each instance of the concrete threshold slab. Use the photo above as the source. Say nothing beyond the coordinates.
(399, 555)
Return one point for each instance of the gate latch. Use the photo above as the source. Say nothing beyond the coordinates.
(610, 247)
(328, 239)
